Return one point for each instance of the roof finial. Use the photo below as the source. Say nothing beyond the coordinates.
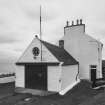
(36, 36)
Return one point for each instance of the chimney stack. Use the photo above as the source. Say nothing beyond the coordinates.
(61, 43)
(73, 27)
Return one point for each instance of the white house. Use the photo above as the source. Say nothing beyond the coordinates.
(45, 66)
(51, 68)
(85, 49)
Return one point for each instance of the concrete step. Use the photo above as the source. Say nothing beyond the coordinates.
(33, 91)
(100, 82)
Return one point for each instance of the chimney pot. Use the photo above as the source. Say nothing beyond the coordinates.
(80, 21)
(67, 23)
(72, 23)
(77, 22)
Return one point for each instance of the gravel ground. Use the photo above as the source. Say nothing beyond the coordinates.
(82, 94)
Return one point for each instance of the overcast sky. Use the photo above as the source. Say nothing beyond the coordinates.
(19, 22)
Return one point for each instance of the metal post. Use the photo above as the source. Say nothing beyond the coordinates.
(41, 31)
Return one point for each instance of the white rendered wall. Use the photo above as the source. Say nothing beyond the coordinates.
(85, 49)
(28, 56)
(54, 75)
(69, 74)
(20, 76)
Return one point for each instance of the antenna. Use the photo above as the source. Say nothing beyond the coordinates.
(41, 31)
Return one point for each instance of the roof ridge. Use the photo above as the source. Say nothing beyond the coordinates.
(49, 43)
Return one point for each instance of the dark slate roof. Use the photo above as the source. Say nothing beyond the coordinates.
(103, 63)
(61, 54)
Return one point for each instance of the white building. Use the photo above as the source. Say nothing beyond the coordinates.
(45, 66)
(85, 49)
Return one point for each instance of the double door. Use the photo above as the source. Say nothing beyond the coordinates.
(36, 77)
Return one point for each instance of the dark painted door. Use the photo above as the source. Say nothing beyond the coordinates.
(103, 73)
(93, 75)
(36, 77)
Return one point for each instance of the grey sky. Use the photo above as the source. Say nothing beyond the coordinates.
(19, 22)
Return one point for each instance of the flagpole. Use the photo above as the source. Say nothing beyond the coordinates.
(41, 31)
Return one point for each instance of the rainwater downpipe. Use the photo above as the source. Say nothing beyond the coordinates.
(77, 73)
(60, 79)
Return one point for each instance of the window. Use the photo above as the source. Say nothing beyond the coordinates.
(93, 67)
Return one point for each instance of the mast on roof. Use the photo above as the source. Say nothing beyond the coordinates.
(41, 31)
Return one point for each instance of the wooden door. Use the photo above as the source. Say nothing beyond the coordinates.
(36, 77)
(93, 75)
